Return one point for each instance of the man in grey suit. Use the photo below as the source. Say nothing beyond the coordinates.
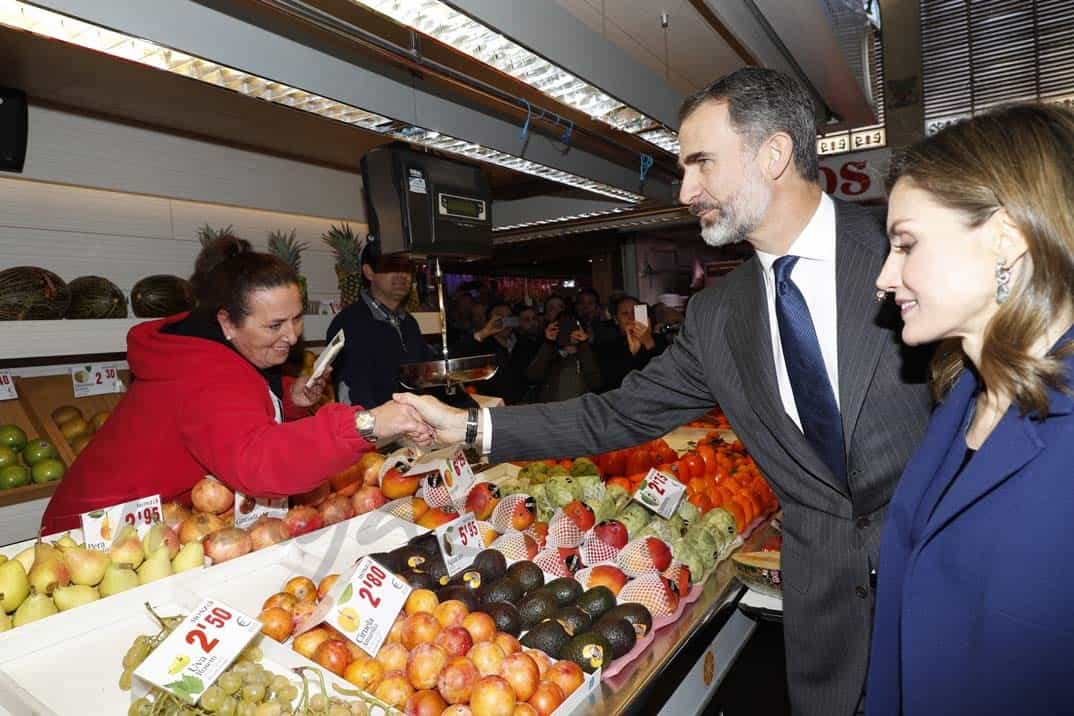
(793, 347)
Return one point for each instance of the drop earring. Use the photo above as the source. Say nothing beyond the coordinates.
(1003, 280)
(881, 296)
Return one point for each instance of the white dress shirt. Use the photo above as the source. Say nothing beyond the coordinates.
(814, 275)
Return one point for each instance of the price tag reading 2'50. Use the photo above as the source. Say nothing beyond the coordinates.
(364, 608)
(660, 493)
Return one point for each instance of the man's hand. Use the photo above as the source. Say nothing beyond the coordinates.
(449, 423)
(306, 393)
(494, 326)
(578, 335)
(395, 419)
(638, 335)
(551, 331)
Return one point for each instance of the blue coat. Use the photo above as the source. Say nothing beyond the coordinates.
(975, 602)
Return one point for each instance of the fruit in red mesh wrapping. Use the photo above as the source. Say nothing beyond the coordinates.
(516, 546)
(434, 490)
(436, 516)
(552, 562)
(514, 512)
(488, 533)
(679, 575)
(539, 532)
(580, 513)
(612, 532)
(608, 576)
(563, 532)
(571, 558)
(652, 591)
(595, 550)
(644, 555)
(482, 500)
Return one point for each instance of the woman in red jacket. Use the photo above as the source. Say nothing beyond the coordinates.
(209, 398)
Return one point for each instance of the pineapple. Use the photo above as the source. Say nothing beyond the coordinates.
(207, 234)
(348, 253)
(288, 249)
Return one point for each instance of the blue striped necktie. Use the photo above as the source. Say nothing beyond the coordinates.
(813, 394)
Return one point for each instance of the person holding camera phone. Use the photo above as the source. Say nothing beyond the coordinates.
(565, 364)
(513, 355)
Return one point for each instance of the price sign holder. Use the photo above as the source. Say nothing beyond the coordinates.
(455, 470)
(363, 604)
(193, 656)
(249, 509)
(660, 492)
(99, 527)
(96, 379)
(7, 386)
(460, 542)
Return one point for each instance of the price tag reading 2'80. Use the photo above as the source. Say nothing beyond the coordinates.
(368, 604)
(460, 542)
(197, 652)
(661, 493)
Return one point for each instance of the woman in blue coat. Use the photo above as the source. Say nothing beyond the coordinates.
(975, 603)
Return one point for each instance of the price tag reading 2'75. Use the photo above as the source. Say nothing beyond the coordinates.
(460, 542)
(661, 493)
(194, 655)
(366, 606)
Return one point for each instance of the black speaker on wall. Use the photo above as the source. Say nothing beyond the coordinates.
(13, 128)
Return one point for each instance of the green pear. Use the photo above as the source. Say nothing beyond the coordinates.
(117, 578)
(160, 534)
(66, 541)
(48, 571)
(86, 566)
(26, 558)
(158, 566)
(14, 586)
(191, 556)
(5, 622)
(73, 596)
(127, 548)
(37, 606)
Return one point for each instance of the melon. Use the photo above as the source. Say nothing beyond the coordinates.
(96, 297)
(760, 571)
(161, 295)
(29, 293)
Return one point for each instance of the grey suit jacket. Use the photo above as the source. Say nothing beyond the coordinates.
(724, 356)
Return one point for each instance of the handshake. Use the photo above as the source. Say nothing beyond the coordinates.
(421, 419)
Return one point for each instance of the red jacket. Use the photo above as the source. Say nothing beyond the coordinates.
(198, 407)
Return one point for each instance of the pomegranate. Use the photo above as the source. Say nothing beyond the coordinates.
(228, 543)
(336, 509)
(302, 519)
(268, 531)
(367, 499)
(211, 495)
(199, 526)
(174, 514)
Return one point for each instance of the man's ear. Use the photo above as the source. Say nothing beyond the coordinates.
(777, 155)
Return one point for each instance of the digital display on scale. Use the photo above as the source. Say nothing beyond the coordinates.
(462, 207)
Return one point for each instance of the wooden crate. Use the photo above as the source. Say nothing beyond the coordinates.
(14, 412)
(43, 395)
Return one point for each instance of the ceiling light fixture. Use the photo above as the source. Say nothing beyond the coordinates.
(23, 16)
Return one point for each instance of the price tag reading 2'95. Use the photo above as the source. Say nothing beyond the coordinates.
(460, 542)
(365, 608)
(661, 493)
(99, 527)
(197, 652)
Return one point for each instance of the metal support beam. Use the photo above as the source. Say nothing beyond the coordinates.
(539, 208)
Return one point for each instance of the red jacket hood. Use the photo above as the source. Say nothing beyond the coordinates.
(154, 355)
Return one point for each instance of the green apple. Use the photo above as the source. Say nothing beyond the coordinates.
(14, 476)
(13, 437)
(47, 470)
(37, 451)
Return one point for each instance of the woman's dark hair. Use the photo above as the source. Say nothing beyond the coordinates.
(227, 270)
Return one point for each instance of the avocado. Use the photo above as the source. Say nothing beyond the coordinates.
(419, 580)
(566, 589)
(528, 574)
(385, 560)
(537, 606)
(573, 619)
(491, 563)
(590, 651)
(506, 616)
(469, 578)
(435, 568)
(427, 545)
(548, 636)
(597, 601)
(408, 556)
(634, 613)
(506, 589)
(619, 633)
(456, 591)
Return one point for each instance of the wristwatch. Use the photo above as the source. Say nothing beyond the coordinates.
(365, 423)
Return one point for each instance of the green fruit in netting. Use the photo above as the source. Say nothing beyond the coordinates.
(47, 470)
(14, 476)
(13, 437)
(38, 450)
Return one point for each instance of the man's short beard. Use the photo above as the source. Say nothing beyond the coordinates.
(740, 216)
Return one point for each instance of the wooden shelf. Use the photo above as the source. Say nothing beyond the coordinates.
(26, 493)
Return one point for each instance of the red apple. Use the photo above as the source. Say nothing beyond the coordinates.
(367, 499)
(482, 499)
(612, 532)
(302, 519)
(659, 552)
(580, 514)
(395, 484)
(605, 574)
(457, 680)
(455, 640)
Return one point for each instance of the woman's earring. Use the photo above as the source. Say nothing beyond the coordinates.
(1003, 280)
(881, 296)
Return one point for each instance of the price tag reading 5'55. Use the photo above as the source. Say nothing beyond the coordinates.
(460, 542)
(194, 655)
(98, 379)
(660, 493)
(365, 608)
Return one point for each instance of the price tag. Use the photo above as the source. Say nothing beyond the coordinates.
(99, 527)
(7, 386)
(661, 493)
(249, 509)
(97, 379)
(199, 650)
(363, 607)
(450, 465)
(460, 542)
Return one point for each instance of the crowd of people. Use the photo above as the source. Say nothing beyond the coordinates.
(562, 348)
